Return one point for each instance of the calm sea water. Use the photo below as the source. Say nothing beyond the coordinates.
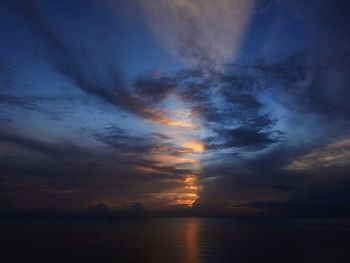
(183, 240)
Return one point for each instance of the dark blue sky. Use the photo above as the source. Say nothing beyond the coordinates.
(237, 107)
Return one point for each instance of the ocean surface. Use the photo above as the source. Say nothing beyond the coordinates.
(180, 240)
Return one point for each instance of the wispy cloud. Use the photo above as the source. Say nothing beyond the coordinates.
(202, 32)
(335, 154)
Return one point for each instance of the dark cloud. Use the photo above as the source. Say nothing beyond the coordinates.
(46, 147)
(248, 147)
(79, 67)
(238, 90)
(316, 86)
(281, 187)
(288, 72)
(317, 79)
(125, 142)
(88, 177)
(161, 136)
(325, 202)
(7, 120)
(259, 185)
(68, 60)
(154, 90)
(18, 101)
(227, 103)
(251, 139)
(122, 141)
(31, 103)
(271, 204)
(142, 148)
(28, 103)
(6, 76)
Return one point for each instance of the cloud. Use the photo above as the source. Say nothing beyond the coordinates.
(127, 172)
(28, 103)
(230, 114)
(330, 201)
(154, 90)
(129, 152)
(122, 141)
(282, 187)
(316, 85)
(335, 154)
(67, 59)
(6, 76)
(193, 146)
(78, 67)
(269, 204)
(159, 158)
(150, 155)
(202, 32)
(125, 142)
(51, 148)
(32, 103)
(238, 90)
(248, 138)
(18, 101)
(225, 102)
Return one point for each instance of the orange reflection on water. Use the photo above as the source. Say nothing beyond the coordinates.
(192, 240)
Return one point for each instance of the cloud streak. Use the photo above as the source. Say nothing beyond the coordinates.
(76, 66)
(202, 32)
(331, 155)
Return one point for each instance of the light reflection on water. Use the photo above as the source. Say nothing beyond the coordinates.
(192, 239)
(173, 240)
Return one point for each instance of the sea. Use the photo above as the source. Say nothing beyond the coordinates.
(175, 240)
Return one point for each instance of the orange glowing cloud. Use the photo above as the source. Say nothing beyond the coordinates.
(186, 199)
(182, 124)
(335, 154)
(155, 116)
(192, 187)
(190, 179)
(194, 146)
(167, 158)
(186, 194)
(186, 189)
(146, 169)
(176, 198)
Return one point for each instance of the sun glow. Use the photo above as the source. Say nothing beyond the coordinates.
(186, 194)
(170, 159)
(195, 146)
(158, 117)
(177, 157)
(191, 188)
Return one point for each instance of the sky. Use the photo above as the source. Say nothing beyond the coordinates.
(227, 107)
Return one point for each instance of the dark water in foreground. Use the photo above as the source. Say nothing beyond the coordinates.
(173, 240)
